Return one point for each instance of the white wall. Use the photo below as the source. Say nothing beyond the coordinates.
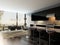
(21, 19)
(29, 20)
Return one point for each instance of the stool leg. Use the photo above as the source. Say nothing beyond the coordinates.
(49, 38)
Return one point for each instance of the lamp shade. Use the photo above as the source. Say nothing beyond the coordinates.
(52, 19)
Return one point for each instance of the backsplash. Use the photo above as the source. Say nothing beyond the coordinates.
(40, 22)
(44, 22)
(58, 23)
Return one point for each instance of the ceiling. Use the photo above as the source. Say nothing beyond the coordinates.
(25, 6)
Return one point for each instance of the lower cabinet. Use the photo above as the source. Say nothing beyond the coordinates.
(42, 37)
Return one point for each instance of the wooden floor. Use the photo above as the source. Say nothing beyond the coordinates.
(21, 41)
(18, 41)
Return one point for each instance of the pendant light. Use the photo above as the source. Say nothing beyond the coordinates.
(51, 22)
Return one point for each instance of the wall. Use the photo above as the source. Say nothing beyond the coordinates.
(28, 16)
(40, 22)
(44, 22)
(54, 10)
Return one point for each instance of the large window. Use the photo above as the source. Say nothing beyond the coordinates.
(9, 18)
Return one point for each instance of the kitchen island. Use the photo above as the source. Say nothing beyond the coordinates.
(40, 36)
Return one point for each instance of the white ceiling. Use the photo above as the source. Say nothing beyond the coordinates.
(25, 6)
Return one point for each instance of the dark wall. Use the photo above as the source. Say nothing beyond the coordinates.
(39, 14)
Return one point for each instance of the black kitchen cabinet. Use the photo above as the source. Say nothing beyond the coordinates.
(42, 37)
(41, 15)
(37, 18)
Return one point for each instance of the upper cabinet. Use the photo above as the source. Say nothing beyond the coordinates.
(41, 15)
(38, 18)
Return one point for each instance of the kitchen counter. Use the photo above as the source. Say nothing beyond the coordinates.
(44, 28)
